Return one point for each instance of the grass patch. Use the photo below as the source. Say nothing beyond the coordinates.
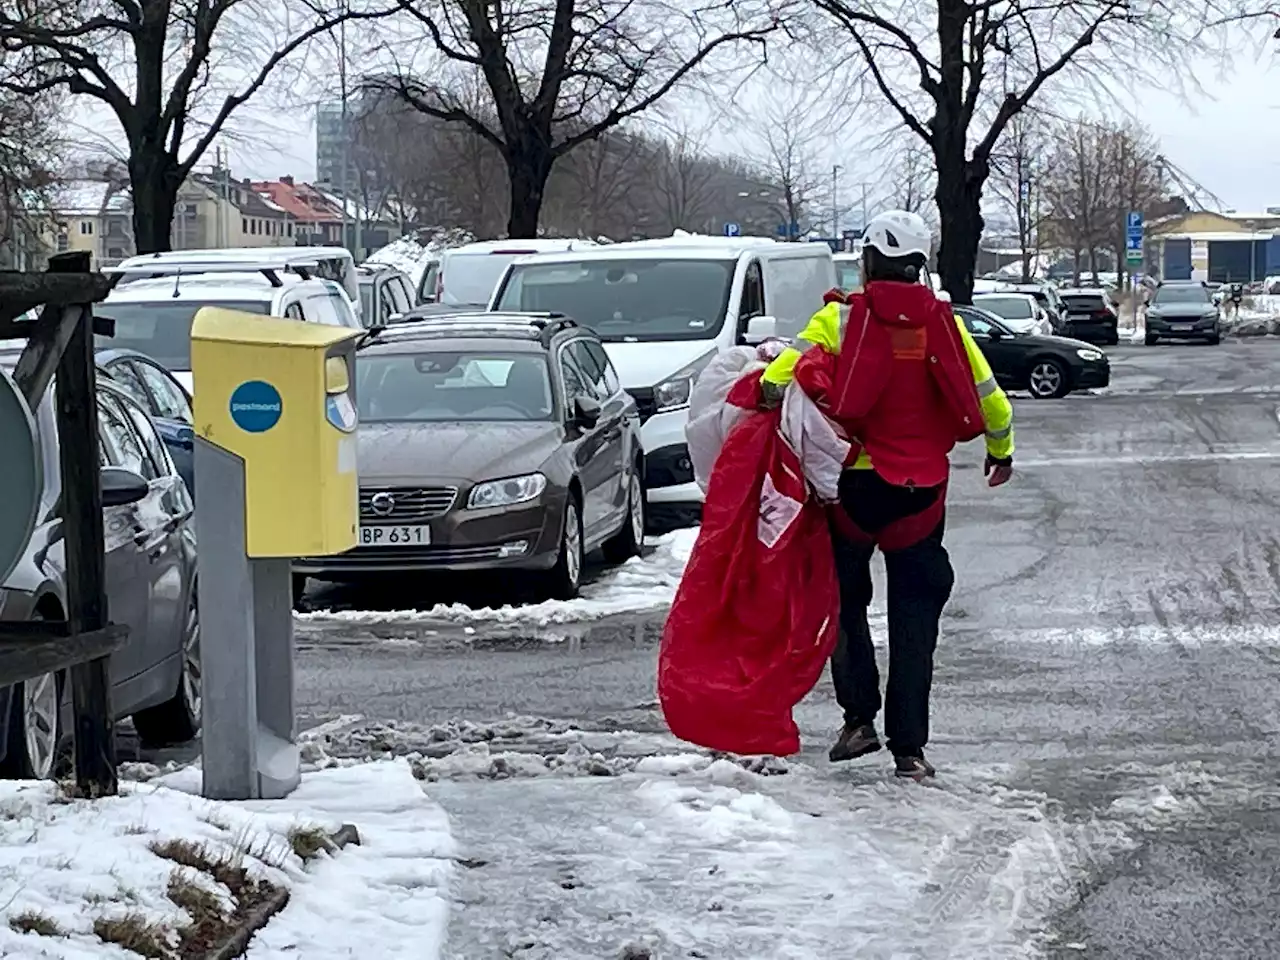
(33, 921)
(134, 932)
(201, 904)
(309, 842)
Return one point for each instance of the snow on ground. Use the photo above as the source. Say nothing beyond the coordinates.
(73, 862)
(641, 585)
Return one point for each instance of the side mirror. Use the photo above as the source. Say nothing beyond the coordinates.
(121, 486)
(184, 438)
(995, 333)
(760, 329)
(395, 318)
(586, 411)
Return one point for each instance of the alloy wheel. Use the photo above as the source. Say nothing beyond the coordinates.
(40, 723)
(192, 681)
(1046, 379)
(573, 544)
(637, 510)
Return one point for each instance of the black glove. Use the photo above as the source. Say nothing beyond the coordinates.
(998, 470)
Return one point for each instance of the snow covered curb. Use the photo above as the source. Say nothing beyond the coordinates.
(68, 866)
(641, 585)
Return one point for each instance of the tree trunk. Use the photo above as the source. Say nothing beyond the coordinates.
(527, 171)
(154, 181)
(959, 198)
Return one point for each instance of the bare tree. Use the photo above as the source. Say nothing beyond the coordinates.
(157, 65)
(1137, 181)
(1076, 194)
(956, 72)
(911, 179)
(1017, 175)
(683, 183)
(792, 128)
(598, 186)
(563, 72)
(30, 157)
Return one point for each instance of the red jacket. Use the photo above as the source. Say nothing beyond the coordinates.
(903, 385)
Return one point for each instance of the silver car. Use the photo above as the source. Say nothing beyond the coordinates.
(151, 589)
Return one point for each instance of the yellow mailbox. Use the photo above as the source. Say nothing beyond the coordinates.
(279, 394)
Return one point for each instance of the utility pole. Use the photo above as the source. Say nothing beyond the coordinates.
(346, 132)
(864, 205)
(835, 203)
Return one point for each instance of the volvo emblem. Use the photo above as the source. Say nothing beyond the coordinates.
(383, 504)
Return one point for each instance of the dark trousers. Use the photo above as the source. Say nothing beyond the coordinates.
(920, 579)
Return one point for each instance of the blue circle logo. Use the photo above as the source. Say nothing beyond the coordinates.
(256, 406)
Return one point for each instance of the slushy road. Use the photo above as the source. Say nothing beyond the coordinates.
(1114, 633)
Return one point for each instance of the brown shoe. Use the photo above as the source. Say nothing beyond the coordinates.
(913, 768)
(854, 742)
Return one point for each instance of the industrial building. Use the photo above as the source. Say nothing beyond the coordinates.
(1214, 247)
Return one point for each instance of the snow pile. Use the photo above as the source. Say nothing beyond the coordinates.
(411, 253)
(1259, 317)
(66, 864)
(641, 585)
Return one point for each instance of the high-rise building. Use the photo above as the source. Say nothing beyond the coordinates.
(330, 135)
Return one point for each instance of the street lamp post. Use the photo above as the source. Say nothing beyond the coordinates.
(835, 206)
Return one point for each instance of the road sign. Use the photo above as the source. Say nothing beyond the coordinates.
(1134, 220)
(1133, 243)
(732, 230)
(793, 232)
(1133, 256)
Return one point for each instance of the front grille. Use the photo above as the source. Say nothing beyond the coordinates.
(643, 396)
(408, 504)
(417, 556)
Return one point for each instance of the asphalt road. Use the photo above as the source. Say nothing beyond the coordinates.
(1114, 625)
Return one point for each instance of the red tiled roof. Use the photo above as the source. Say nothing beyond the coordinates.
(302, 200)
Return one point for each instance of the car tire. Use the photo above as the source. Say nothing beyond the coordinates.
(1214, 340)
(36, 747)
(1049, 379)
(1151, 339)
(177, 720)
(629, 541)
(564, 580)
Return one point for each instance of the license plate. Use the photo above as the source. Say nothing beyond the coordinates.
(1184, 327)
(415, 536)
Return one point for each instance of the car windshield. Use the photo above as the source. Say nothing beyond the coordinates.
(1187, 294)
(848, 274)
(1011, 308)
(161, 330)
(447, 387)
(627, 300)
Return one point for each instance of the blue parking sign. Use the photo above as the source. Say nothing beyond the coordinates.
(732, 230)
(1134, 220)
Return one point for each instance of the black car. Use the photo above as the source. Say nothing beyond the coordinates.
(1046, 367)
(1183, 310)
(1091, 316)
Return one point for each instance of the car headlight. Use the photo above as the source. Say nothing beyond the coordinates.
(1084, 353)
(508, 492)
(1210, 315)
(674, 392)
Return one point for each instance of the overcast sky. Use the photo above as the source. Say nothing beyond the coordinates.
(1228, 139)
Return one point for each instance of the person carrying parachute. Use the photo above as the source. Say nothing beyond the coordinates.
(902, 379)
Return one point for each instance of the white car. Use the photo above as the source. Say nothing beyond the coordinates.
(468, 274)
(153, 314)
(1019, 311)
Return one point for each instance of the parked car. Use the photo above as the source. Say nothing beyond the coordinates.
(1020, 311)
(468, 274)
(153, 314)
(166, 400)
(426, 311)
(333, 264)
(385, 292)
(1183, 310)
(664, 308)
(1046, 294)
(1092, 315)
(1045, 366)
(492, 442)
(848, 271)
(151, 590)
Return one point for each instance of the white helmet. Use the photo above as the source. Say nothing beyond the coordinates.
(897, 233)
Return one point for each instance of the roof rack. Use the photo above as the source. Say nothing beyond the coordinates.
(546, 325)
(302, 266)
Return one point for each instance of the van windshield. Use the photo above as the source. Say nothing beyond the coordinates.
(469, 278)
(627, 300)
(162, 330)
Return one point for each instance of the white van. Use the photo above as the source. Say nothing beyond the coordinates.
(324, 263)
(664, 308)
(467, 274)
